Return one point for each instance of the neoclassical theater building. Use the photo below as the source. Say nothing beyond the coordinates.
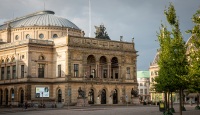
(45, 58)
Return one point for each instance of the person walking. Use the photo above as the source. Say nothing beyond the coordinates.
(26, 105)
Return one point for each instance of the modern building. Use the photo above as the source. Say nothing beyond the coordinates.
(143, 85)
(46, 58)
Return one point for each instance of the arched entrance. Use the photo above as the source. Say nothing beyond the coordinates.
(103, 67)
(1, 96)
(59, 96)
(115, 97)
(91, 67)
(12, 95)
(21, 96)
(91, 96)
(114, 68)
(103, 96)
(6, 96)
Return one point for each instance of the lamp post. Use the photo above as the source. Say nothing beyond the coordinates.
(42, 98)
(84, 90)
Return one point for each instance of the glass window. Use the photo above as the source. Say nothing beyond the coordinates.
(59, 70)
(141, 84)
(13, 60)
(2, 61)
(7, 60)
(141, 91)
(152, 73)
(145, 91)
(2, 73)
(14, 71)
(41, 70)
(75, 70)
(27, 36)
(41, 58)
(16, 37)
(8, 72)
(22, 71)
(41, 36)
(128, 70)
(104, 73)
(55, 35)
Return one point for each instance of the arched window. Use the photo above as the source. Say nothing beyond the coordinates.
(103, 67)
(16, 37)
(55, 35)
(41, 58)
(2, 61)
(7, 60)
(13, 59)
(91, 66)
(114, 68)
(41, 36)
(27, 36)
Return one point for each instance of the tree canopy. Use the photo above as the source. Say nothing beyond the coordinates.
(101, 32)
(194, 54)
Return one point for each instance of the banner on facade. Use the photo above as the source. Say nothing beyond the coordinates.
(42, 92)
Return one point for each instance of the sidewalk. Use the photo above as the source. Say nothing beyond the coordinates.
(189, 109)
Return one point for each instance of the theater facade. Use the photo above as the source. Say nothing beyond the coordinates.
(45, 58)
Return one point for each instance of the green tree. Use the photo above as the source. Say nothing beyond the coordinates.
(172, 59)
(101, 32)
(194, 56)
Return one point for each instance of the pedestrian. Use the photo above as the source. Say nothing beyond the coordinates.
(26, 105)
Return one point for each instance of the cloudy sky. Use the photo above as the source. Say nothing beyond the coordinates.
(140, 19)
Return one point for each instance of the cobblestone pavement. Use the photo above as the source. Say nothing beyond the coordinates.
(97, 110)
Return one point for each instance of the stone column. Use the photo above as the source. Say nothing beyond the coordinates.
(120, 72)
(99, 100)
(109, 70)
(110, 99)
(97, 69)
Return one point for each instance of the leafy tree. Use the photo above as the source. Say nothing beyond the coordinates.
(172, 59)
(194, 56)
(101, 32)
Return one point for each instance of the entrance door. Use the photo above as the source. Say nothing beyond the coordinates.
(91, 96)
(59, 96)
(1, 97)
(115, 97)
(103, 96)
(22, 97)
(6, 97)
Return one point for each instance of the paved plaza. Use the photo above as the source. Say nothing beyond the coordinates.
(97, 110)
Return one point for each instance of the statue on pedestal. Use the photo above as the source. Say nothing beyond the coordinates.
(81, 93)
(134, 96)
(134, 93)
